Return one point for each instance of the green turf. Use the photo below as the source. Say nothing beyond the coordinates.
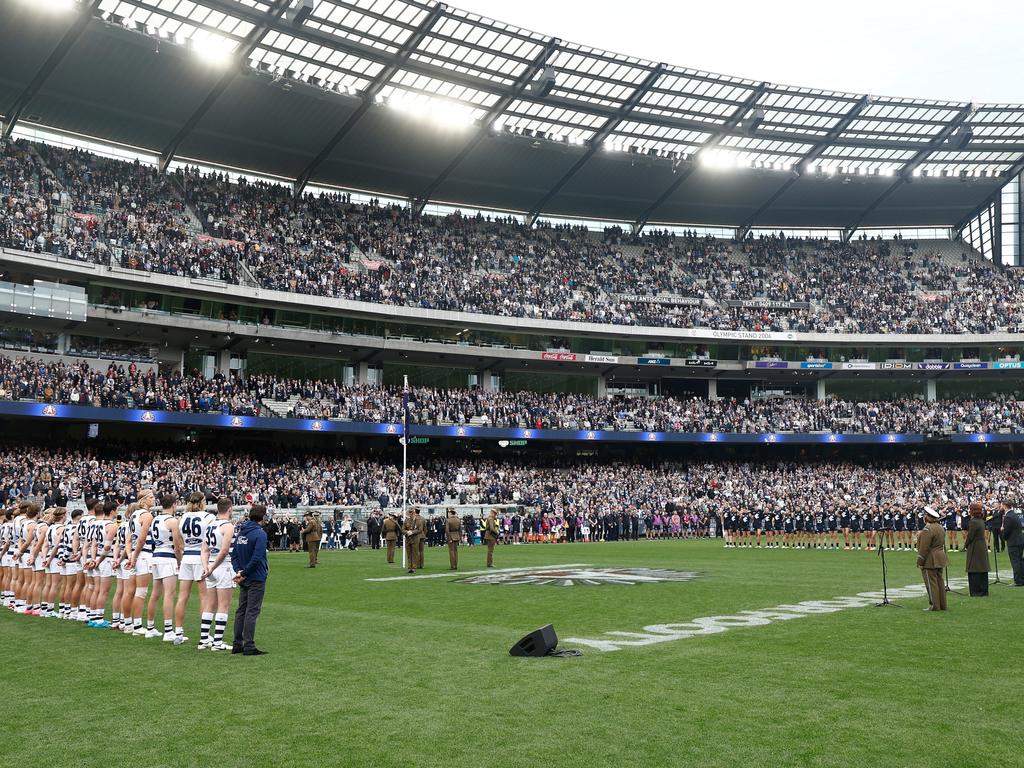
(417, 673)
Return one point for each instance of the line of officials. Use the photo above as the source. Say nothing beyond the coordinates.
(412, 530)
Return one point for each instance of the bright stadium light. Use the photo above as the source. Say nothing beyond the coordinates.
(52, 5)
(211, 48)
(721, 159)
(441, 112)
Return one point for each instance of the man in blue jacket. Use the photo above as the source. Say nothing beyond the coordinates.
(249, 561)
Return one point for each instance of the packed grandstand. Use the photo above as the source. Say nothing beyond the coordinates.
(79, 206)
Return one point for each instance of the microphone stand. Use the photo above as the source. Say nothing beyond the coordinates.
(995, 554)
(885, 583)
(946, 570)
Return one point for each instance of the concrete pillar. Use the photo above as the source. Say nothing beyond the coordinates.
(929, 390)
(712, 389)
(362, 373)
(486, 381)
(821, 389)
(63, 343)
(223, 364)
(602, 386)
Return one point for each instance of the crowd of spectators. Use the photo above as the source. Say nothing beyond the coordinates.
(78, 382)
(194, 224)
(557, 490)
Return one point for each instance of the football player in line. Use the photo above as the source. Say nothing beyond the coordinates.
(193, 525)
(219, 576)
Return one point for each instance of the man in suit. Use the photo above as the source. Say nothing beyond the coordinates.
(1013, 534)
(413, 530)
(313, 531)
(453, 531)
(390, 531)
(931, 559)
(491, 532)
(373, 528)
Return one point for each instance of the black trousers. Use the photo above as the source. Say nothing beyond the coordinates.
(250, 603)
(1015, 560)
(997, 540)
(978, 584)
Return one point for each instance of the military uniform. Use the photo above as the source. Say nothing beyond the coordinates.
(931, 559)
(413, 530)
(313, 532)
(453, 531)
(490, 538)
(390, 530)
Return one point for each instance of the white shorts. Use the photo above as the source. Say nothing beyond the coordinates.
(162, 567)
(38, 564)
(141, 565)
(190, 570)
(7, 561)
(106, 570)
(25, 562)
(91, 573)
(72, 569)
(121, 573)
(55, 567)
(222, 578)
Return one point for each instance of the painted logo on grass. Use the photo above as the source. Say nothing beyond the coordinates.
(590, 577)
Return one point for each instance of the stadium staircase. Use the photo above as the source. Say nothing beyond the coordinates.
(281, 408)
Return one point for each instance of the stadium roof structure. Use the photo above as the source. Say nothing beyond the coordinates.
(427, 102)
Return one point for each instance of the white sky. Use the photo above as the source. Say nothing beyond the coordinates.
(968, 50)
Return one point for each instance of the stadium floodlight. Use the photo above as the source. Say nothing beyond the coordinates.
(211, 48)
(441, 112)
(52, 5)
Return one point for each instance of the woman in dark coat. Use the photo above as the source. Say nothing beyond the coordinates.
(977, 552)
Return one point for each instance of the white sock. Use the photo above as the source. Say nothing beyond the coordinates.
(204, 626)
(219, 627)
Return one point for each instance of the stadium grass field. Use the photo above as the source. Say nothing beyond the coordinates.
(417, 673)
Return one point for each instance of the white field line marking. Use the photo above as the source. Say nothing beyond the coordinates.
(712, 625)
(449, 574)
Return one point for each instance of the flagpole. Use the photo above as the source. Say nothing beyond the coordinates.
(405, 455)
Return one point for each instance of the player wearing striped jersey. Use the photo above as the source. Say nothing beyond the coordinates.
(36, 559)
(52, 563)
(101, 563)
(90, 532)
(71, 568)
(78, 595)
(220, 578)
(120, 573)
(193, 525)
(167, 549)
(139, 576)
(7, 558)
(23, 534)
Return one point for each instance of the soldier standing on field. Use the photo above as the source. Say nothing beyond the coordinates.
(931, 559)
(491, 533)
(453, 529)
(413, 530)
(390, 530)
(313, 531)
